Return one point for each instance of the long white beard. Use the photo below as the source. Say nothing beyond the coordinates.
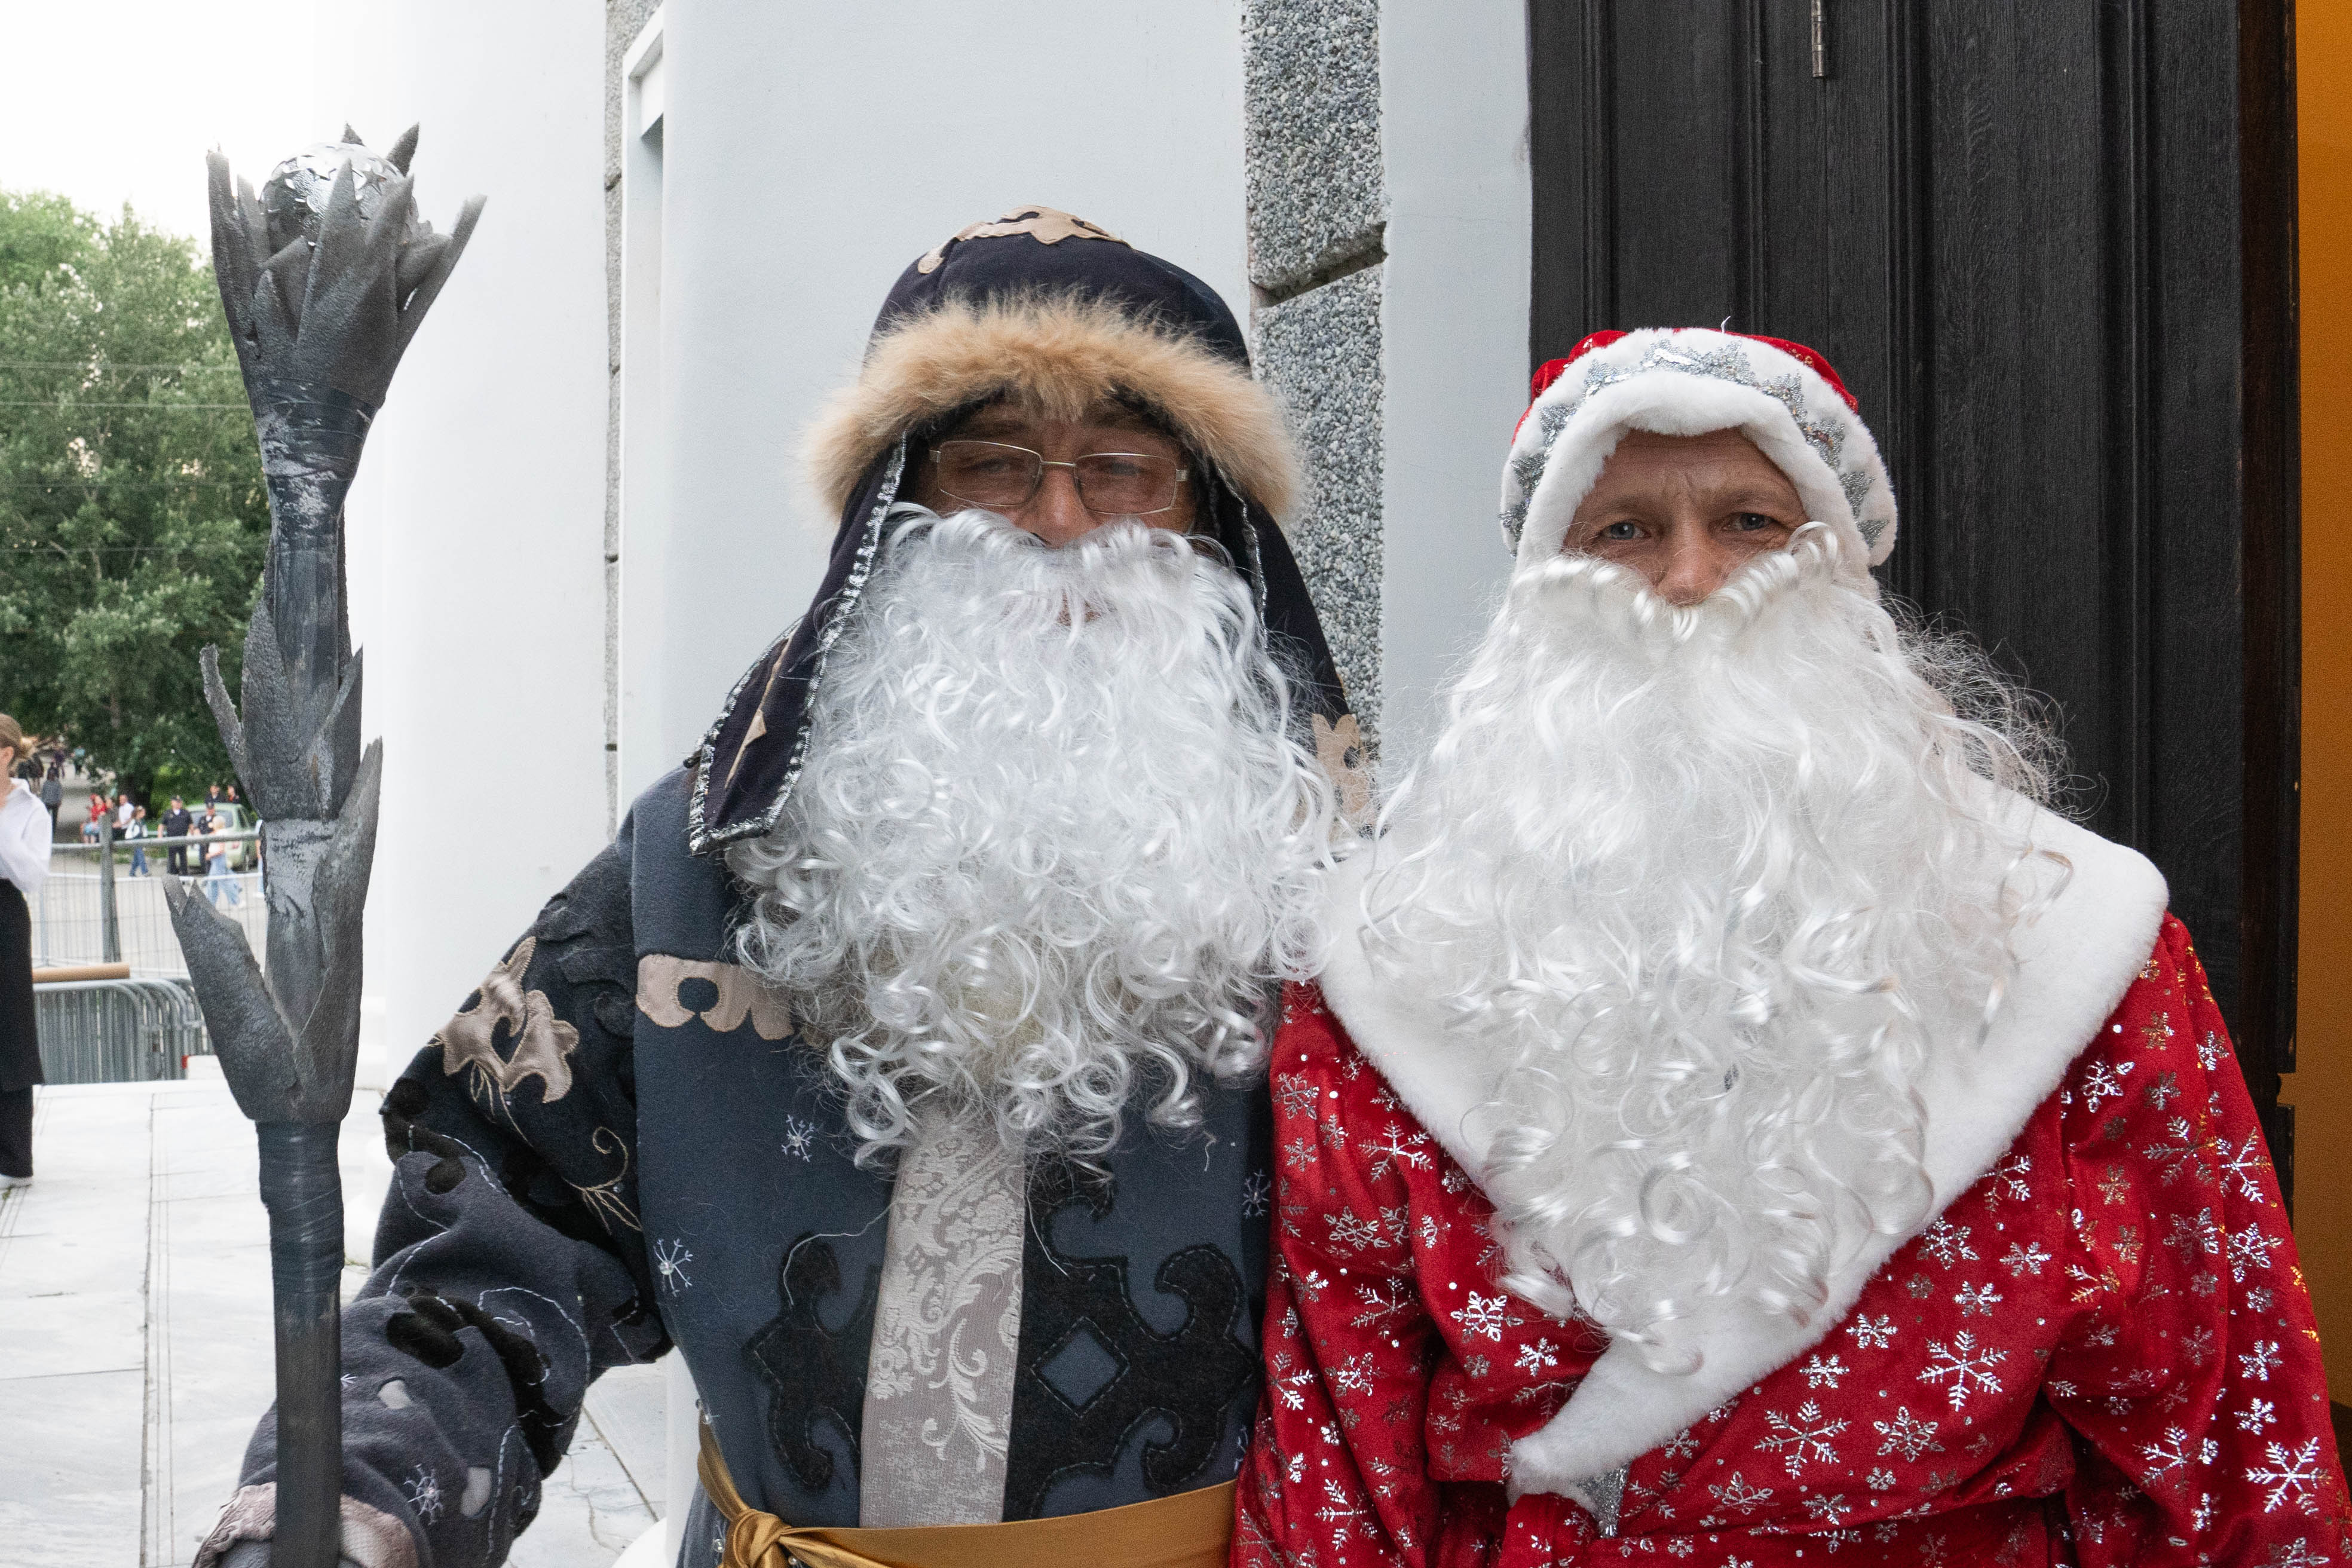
(1705, 887)
(1055, 843)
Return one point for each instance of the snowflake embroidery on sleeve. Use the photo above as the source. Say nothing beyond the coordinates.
(1872, 1333)
(1818, 1372)
(1908, 1436)
(2257, 1414)
(2210, 1051)
(1299, 1155)
(2024, 1259)
(2249, 1249)
(2179, 1153)
(1352, 1230)
(1256, 1193)
(2176, 1452)
(1535, 1358)
(2244, 1164)
(1969, 1367)
(1293, 1093)
(1977, 1301)
(1737, 1493)
(1485, 1316)
(670, 1258)
(2191, 1237)
(1383, 1300)
(2103, 1082)
(1881, 1479)
(1353, 1376)
(2007, 1180)
(1947, 1243)
(2296, 1553)
(2258, 1364)
(800, 1139)
(1801, 1439)
(1396, 1149)
(422, 1491)
(1340, 1513)
(1830, 1510)
(1286, 1387)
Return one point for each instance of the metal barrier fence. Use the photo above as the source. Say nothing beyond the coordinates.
(103, 903)
(118, 1031)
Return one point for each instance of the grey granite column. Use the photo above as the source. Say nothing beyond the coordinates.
(1317, 217)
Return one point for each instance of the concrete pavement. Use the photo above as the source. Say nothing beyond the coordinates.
(135, 1348)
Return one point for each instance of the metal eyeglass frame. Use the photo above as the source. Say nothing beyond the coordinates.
(1183, 474)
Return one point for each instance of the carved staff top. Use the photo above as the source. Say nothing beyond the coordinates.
(325, 278)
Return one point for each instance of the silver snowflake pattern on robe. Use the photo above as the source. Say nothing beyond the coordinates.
(2155, 1360)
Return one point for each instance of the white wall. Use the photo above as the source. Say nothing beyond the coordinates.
(811, 150)
(1454, 325)
(808, 152)
(477, 535)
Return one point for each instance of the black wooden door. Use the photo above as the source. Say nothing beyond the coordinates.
(2046, 244)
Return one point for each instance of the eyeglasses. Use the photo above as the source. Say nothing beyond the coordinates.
(1005, 479)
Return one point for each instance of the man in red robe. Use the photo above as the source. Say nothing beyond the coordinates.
(1739, 1124)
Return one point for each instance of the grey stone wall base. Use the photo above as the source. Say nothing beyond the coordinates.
(1311, 96)
(1321, 353)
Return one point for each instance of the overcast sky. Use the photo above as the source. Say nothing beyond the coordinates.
(112, 100)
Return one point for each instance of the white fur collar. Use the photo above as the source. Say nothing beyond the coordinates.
(2076, 961)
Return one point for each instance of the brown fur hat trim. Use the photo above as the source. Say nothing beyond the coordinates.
(1062, 354)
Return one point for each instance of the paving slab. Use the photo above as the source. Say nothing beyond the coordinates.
(134, 1304)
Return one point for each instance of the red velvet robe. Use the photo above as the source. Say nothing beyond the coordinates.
(2100, 1352)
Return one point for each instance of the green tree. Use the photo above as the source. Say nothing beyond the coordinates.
(134, 520)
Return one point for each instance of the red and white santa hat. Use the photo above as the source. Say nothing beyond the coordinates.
(1689, 381)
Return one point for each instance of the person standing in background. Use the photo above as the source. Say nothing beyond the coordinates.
(25, 830)
(176, 823)
(53, 791)
(93, 815)
(135, 832)
(124, 811)
(212, 799)
(217, 877)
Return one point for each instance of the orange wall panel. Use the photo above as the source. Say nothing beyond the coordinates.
(2321, 1089)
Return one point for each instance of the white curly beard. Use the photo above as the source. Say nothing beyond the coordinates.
(1054, 844)
(1704, 887)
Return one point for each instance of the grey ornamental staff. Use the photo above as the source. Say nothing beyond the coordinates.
(325, 278)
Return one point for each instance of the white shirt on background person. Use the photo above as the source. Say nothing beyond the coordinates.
(24, 840)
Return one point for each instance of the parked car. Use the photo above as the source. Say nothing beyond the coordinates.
(244, 855)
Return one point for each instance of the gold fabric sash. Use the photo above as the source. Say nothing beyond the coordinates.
(1190, 1530)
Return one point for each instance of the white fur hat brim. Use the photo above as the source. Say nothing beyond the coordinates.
(1691, 381)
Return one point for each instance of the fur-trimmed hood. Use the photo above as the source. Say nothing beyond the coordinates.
(1062, 353)
(1061, 313)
